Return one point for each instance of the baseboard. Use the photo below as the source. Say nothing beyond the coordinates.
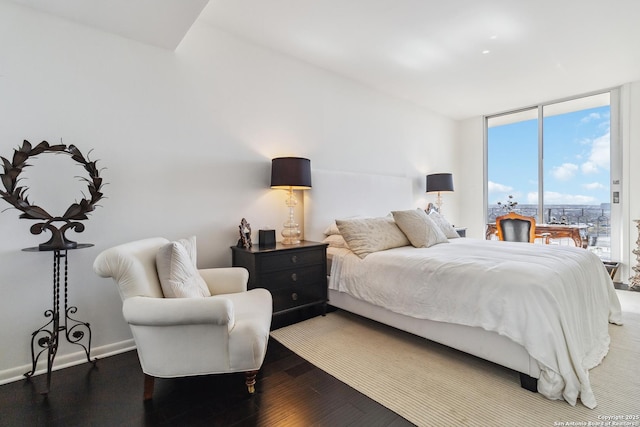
(66, 360)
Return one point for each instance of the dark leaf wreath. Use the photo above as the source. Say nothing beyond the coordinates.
(16, 195)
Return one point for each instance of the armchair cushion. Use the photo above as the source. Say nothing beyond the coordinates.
(179, 277)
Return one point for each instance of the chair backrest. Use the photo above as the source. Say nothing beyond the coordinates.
(513, 227)
(133, 267)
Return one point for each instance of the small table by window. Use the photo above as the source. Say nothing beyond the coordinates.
(577, 233)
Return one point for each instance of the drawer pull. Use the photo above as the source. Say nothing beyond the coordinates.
(294, 296)
(294, 259)
(294, 277)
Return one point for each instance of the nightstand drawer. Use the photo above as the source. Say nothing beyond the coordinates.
(297, 296)
(289, 259)
(291, 277)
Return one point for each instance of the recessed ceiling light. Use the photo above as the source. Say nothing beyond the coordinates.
(486, 51)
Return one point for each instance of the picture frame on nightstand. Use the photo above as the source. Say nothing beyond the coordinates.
(244, 230)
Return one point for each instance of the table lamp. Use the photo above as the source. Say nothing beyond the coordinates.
(291, 173)
(439, 182)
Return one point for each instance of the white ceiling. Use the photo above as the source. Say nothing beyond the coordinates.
(425, 51)
(161, 23)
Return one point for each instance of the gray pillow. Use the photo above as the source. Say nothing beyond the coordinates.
(421, 231)
(444, 225)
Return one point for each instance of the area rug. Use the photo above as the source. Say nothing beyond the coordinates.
(432, 385)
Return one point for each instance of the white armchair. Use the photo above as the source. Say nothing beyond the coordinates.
(177, 337)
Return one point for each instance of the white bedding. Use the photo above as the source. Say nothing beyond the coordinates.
(555, 301)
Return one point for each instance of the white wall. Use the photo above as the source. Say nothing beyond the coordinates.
(470, 203)
(470, 181)
(186, 139)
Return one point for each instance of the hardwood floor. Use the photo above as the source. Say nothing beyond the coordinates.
(289, 392)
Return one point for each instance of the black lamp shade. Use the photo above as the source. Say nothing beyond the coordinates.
(291, 172)
(439, 182)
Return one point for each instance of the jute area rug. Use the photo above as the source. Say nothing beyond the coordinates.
(432, 385)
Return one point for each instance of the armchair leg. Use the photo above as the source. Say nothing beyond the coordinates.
(148, 387)
(251, 381)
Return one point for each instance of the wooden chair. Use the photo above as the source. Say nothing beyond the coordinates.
(513, 227)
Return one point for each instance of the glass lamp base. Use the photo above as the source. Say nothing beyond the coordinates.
(291, 234)
(290, 241)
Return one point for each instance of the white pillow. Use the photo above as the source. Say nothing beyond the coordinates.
(332, 229)
(190, 245)
(444, 225)
(421, 231)
(179, 277)
(336, 241)
(368, 235)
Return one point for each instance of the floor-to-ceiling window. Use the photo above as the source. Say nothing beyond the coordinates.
(512, 163)
(553, 162)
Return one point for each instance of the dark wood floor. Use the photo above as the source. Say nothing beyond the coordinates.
(290, 392)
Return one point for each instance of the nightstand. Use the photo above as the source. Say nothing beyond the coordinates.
(296, 275)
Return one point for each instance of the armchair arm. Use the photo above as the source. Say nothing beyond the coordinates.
(145, 311)
(227, 280)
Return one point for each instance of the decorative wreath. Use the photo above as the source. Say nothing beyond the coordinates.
(17, 196)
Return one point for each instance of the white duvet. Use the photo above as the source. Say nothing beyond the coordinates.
(556, 301)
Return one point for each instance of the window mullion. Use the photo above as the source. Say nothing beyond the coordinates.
(540, 217)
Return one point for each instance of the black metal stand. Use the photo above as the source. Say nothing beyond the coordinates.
(46, 338)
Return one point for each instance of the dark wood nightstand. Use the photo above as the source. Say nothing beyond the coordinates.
(296, 275)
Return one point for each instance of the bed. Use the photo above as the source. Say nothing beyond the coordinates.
(550, 324)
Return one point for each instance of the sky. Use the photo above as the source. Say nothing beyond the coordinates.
(576, 159)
